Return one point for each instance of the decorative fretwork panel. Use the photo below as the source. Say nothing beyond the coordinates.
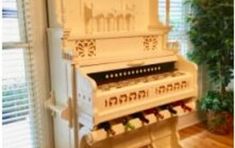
(126, 98)
(85, 48)
(172, 87)
(150, 42)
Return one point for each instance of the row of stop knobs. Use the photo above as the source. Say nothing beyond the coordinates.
(107, 126)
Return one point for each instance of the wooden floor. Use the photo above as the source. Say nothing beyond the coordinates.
(197, 137)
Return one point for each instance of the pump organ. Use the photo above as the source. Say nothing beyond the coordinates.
(131, 83)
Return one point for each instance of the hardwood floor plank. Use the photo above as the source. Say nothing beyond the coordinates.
(198, 137)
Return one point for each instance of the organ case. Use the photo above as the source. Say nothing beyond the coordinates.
(130, 83)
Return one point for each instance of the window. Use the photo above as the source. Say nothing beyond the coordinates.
(17, 83)
(178, 14)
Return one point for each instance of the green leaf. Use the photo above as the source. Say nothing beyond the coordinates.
(211, 33)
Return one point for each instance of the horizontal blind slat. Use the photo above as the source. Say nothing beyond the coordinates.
(21, 112)
(13, 119)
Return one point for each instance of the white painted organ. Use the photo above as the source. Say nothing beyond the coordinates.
(130, 83)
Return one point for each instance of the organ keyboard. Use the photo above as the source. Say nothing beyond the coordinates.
(125, 91)
(129, 82)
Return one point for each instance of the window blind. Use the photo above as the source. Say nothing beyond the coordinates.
(19, 108)
(178, 14)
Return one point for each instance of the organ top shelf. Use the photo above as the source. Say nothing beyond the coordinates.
(111, 35)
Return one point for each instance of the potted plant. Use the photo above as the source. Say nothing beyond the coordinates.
(218, 110)
(211, 34)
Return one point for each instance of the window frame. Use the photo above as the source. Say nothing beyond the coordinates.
(32, 16)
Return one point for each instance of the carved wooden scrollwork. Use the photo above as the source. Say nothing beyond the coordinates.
(176, 85)
(113, 101)
(183, 84)
(169, 87)
(141, 94)
(161, 89)
(123, 98)
(85, 48)
(132, 96)
(150, 43)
